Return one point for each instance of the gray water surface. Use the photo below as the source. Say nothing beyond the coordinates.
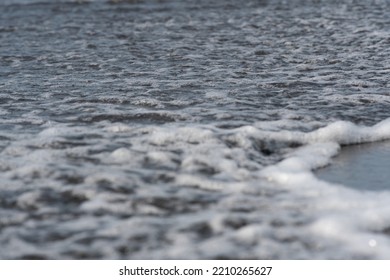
(126, 128)
(363, 167)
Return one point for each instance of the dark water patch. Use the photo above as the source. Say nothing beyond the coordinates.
(125, 118)
(33, 257)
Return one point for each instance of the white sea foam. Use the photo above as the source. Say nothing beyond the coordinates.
(342, 216)
(324, 143)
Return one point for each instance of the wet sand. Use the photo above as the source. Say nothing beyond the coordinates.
(363, 167)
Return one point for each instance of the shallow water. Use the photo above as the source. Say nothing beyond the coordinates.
(189, 129)
(364, 167)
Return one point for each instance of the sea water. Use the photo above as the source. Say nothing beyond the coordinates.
(364, 166)
(190, 129)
